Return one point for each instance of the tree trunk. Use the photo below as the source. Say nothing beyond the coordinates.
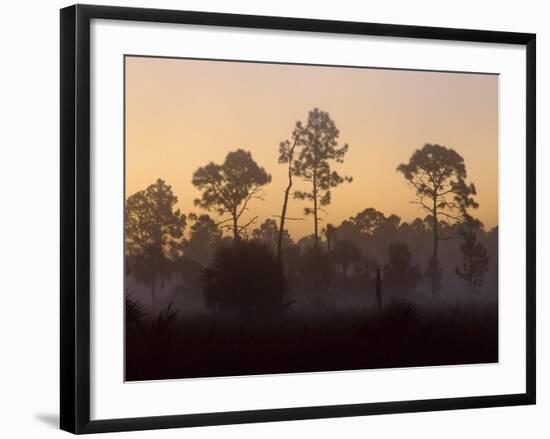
(282, 222)
(236, 237)
(435, 262)
(315, 219)
(378, 290)
(285, 203)
(153, 294)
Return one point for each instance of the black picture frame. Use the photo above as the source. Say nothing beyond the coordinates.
(75, 217)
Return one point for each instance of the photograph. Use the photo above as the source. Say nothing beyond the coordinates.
(275, 219)
(295, 218)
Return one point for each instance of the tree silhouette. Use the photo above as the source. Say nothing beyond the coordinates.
(438, 174)
(368, 220)
(268, 233)
(286, 155)
(346, 253)
(475, 260)
(306, 242)
(204, 239)
(319, 139)
(389, 224)
(152, 268)
(330, 234)
(151, 226)
(228, 188)
(349, 230)
(400, 273)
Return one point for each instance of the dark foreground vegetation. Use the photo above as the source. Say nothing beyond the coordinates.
(399, 335)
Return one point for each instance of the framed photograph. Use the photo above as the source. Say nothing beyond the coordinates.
(268, 218)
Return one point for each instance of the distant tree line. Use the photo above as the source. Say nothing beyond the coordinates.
(247, 267)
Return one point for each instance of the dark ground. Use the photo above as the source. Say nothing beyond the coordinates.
(400, 335)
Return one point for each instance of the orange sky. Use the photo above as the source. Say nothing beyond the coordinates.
(182, 114)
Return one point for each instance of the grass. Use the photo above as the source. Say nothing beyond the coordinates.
(402, 334)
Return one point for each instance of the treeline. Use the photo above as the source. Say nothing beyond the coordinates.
(239, 264)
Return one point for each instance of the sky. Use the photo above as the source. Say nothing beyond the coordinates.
(182, 114)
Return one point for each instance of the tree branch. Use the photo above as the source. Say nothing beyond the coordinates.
(252, 221)
(289, 218)
(456, 218)
(251, 195)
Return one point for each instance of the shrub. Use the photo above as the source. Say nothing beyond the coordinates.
(316, 269)
(164, 322)
(134, 311)
(400, 311)
(245, 277)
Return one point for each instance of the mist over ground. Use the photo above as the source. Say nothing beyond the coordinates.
(329, 319)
